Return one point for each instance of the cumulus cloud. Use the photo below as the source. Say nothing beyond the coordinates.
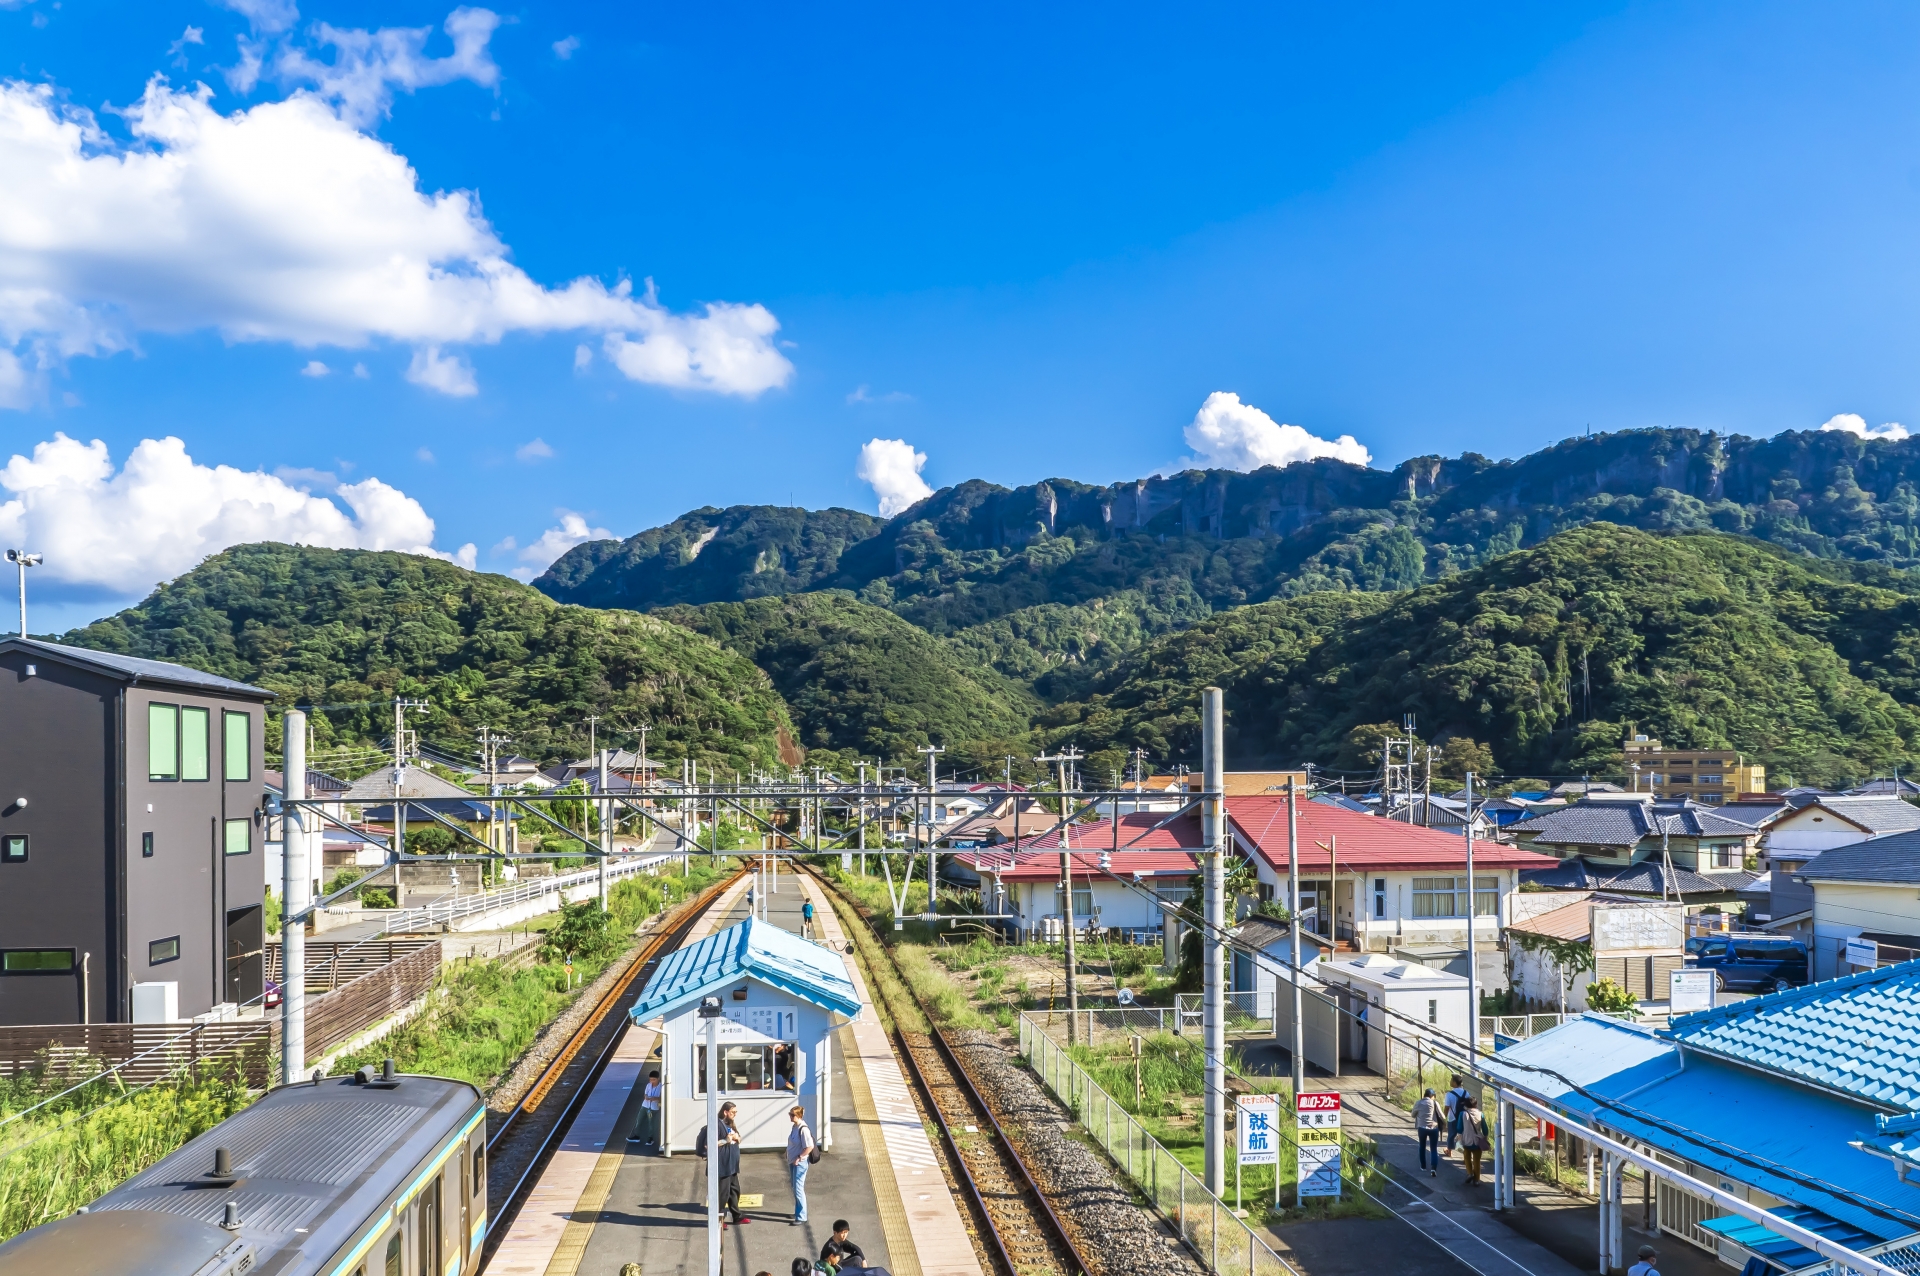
(564, 49)
(315, 368)
(267, 17)
(1229, 434)
(1854, 423)
(287, 222)
(553, 542)
(121, 532)
(449, 374)
(582, 358)
(892, 467)
(534, 450)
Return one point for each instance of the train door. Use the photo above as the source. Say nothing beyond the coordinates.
(461, 1183)
(426, 1230)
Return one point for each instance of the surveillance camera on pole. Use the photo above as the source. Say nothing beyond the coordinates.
(21, 559)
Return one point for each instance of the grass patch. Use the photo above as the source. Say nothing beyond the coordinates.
(69, 1152)
(946, 1002)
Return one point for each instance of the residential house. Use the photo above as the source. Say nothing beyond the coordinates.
(331, 817)
(1642, 942)
(1625, 844)
(1802, 834)
(1801, 1102)
(1118, 891)
(131, 835)
(1707, 776)
(1263, 956)
(1868, 891)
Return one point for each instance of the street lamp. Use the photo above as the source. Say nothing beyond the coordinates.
(23, 560)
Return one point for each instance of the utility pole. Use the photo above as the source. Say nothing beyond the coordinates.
(863, 819)
(22, 559)
(295, 900)
(933, 762)
(1473, 969)
(1060, 761)
(1299, 1044)
(1213, 1020)
(1426, 799)
(400, 708)
(606, 826)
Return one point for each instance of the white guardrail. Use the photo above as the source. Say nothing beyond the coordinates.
(444, 912)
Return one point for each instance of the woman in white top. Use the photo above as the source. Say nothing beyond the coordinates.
(647, 1130)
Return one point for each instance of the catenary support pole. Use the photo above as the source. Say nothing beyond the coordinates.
(606, 829)
(1213, 835)
(1473, 957)
(1298, 1047)
(713, 1145)
(293, 902)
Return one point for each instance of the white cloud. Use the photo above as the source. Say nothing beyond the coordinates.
(1854, 423)
(449, 374)
(893, 468)
(287, 223)
(553, 542)
(534, 450)
(265, 16)
(424, 454)
(1229, 434)
(468, 556)
(865, 394)
(368, 66)
(582, 358)
(360, 370)
(192, 35)
(163, 512)
(315, 368)
(303, 478)
(564, 49)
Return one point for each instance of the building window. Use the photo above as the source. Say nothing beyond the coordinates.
(237, 730)
(193, 743)
(1379, 897)
(162, 951)
(13, 848)
(1708, 779)
(1447, 896)
(1082, 900)
(239, 837)
(1433, 1010)
(146, 846)
(163, 742)
(1723, 857)
(37, 961)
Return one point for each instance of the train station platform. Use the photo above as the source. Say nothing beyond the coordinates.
(602, 1203)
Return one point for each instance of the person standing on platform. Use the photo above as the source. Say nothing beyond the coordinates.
(800, 1154)
(647, 1131)
(729, 1168)
(806, 920)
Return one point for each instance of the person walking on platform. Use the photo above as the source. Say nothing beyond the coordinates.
(647, 1130)
(729, 1168)
(1426, 1128)
(806, 920)
(1455, 1101)
(1473, 1136)
(800, 1154)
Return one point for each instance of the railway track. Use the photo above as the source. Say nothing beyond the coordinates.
(1023, 1233)
(518, 1147)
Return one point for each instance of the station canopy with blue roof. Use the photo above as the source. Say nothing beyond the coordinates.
(753, 949)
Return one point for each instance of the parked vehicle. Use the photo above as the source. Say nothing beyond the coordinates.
(1746, 963)
(270, 1000)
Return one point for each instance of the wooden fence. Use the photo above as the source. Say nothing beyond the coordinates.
(145, 1052)
(334, 965)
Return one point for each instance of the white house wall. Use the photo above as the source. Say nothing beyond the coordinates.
(1842, 910)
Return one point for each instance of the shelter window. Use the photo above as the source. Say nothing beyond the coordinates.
(163, 742)
(193, 743)
(747, 1068)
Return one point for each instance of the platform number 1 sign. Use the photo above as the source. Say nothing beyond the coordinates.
(1317, 1136)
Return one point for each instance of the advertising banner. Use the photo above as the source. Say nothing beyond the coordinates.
(1317, 1134)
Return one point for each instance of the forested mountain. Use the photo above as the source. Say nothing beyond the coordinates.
(1059, 574)
(1550, 656)
(348, 630)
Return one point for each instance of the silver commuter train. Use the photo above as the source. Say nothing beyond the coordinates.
(375, 1174)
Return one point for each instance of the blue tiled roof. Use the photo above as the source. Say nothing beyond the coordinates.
(752, 949)
(1859, 1035)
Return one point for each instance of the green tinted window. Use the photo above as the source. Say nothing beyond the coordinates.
(163, 950)
(238, 755)
(239, 837)
(19, 961)
(163, 742)
(193, 743)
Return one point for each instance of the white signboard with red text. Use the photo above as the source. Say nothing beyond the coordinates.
(1317, 1138)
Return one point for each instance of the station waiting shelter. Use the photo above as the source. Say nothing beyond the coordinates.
(782, 997)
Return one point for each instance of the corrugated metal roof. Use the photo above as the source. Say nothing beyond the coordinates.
(1040, 863)
(1893, 858)
(1365, 843)
(1746, 1124)
(1572, 922)
(753, 949)
(130, 667)
(1859, 1034)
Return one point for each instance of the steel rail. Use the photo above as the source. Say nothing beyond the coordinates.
(971, 1094)
(662, 942)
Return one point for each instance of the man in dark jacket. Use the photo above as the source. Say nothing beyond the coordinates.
(729, 1164)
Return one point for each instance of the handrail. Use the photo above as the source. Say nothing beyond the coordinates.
(446, 910)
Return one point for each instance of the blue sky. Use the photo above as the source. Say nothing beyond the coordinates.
(1027, 241)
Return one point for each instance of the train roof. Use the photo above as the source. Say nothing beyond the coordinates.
(123, 1243)
(312, 1164)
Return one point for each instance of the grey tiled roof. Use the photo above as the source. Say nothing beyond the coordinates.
(1894, 858)
(1626, 823)
(131, 667)
(1644, 878)
(1876, 814)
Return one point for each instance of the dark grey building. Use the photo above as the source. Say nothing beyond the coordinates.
(130, 834)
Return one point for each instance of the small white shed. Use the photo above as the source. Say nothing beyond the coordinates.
(781, 995)
(1403, 997)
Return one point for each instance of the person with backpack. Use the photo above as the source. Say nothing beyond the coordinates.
(801, 1153)
(1473, 1137)
(806, 920)
(1456, 1104)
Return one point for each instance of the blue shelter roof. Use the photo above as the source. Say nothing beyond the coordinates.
(1859, 1034)
(1790, 1140)
(752, 949)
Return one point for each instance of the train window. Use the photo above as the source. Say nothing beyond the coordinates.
(479, 1168)
(393, 1254)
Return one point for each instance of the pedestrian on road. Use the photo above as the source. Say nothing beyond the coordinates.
(800, 1154)
(806, 920)
(1645, 1266)
(729, 1167)
(1427, 1115)
(1473, 1136)
(647, 1131)
(1455, 1098)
